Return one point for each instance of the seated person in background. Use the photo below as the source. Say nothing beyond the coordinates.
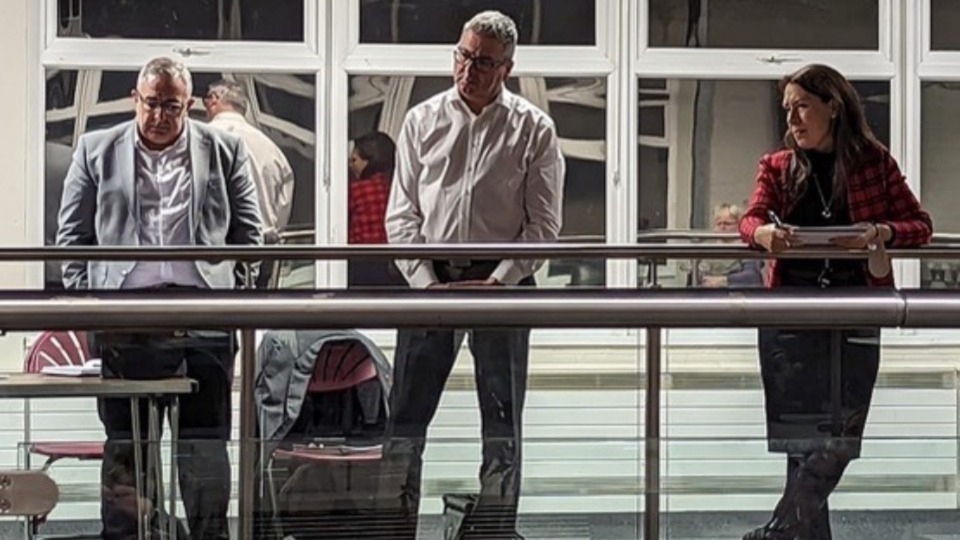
(717, 273)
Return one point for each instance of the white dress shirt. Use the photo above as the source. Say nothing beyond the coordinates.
(164, 191)
(272, 173)
(466, 178)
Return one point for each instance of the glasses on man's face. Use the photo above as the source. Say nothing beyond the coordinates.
(169, 108)
(480, 63)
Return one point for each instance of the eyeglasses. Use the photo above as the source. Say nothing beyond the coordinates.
(213, 94)
(480, 63)
(169, 108)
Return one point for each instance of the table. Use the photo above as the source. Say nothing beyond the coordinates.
(36, 386)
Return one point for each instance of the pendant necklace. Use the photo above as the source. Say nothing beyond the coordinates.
(826, 212)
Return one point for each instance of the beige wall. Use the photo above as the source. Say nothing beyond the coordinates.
(13, 152)
(940, 188)
(741, 133)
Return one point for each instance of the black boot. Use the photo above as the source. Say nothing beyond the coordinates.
(784, 521)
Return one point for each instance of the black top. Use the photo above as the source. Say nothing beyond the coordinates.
(817, 208)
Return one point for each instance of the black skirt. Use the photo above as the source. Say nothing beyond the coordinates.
(817, 384)
(817, 387)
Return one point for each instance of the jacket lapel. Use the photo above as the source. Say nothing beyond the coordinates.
(200, 169)
(126, 149)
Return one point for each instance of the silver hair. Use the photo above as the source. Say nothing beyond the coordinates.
(232, 93)
(162, 66)
(495, 25)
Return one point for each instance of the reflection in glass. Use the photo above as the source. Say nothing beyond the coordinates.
(249, 20)
(282, 108)
(539, 22)
(940, 191)
(578, 107)
(780, 24)
(944, 18)
(715, 132)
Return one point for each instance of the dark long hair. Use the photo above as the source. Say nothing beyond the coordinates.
(852, 137)
(380, 152)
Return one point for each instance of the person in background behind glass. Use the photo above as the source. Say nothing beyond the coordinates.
(719, 273)
(371, 173)
(818, 383)
(226, 104)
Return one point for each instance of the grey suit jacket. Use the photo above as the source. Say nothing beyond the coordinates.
(99, 205)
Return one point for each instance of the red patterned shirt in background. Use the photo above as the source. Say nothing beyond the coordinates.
(368, 206)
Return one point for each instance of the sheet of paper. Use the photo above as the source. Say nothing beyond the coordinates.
(91, 368)
(822, 236)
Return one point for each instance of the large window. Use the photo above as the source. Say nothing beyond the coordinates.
(663, 106)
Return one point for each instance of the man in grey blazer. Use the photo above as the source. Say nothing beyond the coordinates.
(161, 180)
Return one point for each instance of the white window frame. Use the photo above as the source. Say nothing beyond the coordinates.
(921, 64)
(890, 62)
(48, 51)
(599, 60)
(331, 49)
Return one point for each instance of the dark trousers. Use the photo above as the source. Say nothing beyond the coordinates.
(204, 426)
(423, 363)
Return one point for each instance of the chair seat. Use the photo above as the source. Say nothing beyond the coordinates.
(331, 453)
(77, 450)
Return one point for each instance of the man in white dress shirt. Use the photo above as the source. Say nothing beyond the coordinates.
(227, 104)
(162, 180)
(476, 163)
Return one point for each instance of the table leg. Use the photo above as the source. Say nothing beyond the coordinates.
(174, 453)
(137, 440)
(155, 460)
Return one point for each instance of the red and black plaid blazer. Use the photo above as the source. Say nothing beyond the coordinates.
(368, 199)
(877, 192)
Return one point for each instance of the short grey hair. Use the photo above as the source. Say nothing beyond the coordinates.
(232, 93)
(495, 25)
(163, 66)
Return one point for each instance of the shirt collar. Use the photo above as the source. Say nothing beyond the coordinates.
(502, 99)
(229, 116)
(179, 145)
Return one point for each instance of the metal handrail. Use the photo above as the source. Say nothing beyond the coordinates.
(594, 308)
(655, 309)
(452, 251)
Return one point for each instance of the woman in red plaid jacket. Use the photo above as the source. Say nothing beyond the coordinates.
(371, 173)
(833, 172)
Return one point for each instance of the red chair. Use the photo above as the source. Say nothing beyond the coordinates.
(341, 365)
(346, 470)
(57, 348)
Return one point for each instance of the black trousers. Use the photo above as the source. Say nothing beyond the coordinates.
(423, 363)
(204, 426)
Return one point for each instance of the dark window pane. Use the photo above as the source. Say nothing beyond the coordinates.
(250, 20)
(540, 22)
(652, 195)
(651, 120)
(944, 18)
(61, 87)
(781, 24)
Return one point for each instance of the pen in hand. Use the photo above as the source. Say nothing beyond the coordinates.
(775, 219)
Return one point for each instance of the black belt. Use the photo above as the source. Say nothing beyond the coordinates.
(465, 263)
